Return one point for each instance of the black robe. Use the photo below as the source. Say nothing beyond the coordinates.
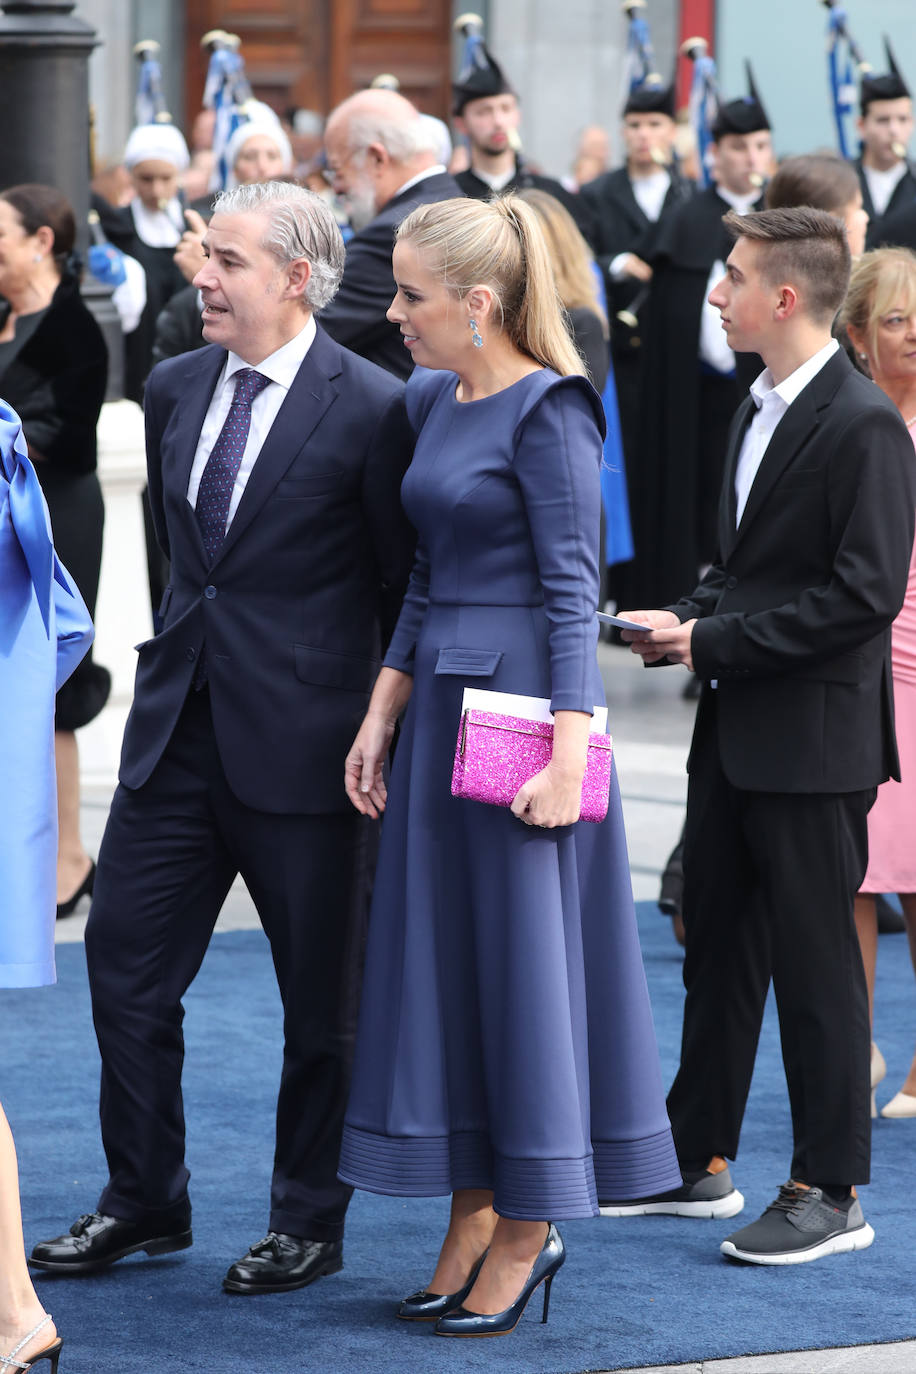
(619, 225)
(474, 186)
(685, 410)
(163, 280)
(903, 197)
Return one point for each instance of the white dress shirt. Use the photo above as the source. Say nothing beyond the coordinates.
(882, 185)
(714, 349)
(281, 367)
(495, 180)
(772, 402)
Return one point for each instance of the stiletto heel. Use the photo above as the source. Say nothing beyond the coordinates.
(461, 1322)
(51, 1353)
(547, 1282)
(429, 1307)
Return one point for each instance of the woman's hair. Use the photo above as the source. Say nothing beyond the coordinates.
(881, 281)
(498, 244)
(817, 179)
(38, 205)
(570, 255)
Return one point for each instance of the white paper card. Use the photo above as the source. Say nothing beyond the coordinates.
(528, 708)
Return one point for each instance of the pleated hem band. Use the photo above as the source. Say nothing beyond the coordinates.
(524, 1189)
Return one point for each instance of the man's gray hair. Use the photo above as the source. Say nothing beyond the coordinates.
(300, 224)
(402, 139)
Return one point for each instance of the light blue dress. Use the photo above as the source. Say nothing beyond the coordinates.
(45, 630)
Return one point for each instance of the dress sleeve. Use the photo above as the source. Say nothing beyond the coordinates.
(557, 465)
(402, 649)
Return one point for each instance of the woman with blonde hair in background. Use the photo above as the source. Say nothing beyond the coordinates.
(880, 318)
(506, 1053)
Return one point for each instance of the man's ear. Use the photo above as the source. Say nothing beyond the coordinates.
(787, 302)
(377, 157)
(298, 274)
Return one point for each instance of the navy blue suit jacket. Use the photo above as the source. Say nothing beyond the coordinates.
(304, 590)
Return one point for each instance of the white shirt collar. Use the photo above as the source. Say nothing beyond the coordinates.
(791, 387)
(421, 176)
(495, 183)
(282, 365)
(740, 203)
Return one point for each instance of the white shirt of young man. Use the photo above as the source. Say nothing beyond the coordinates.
(772, 402)
(281, 367)
(882, 185)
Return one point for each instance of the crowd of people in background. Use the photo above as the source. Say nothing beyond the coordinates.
(684, 385)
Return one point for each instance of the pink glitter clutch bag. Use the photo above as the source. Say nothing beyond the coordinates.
(496, 754)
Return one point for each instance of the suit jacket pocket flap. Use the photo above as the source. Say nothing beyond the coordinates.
(848, 667)
(325, 668)
(468, 662)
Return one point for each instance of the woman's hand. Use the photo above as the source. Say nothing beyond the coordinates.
(363, 770)
(552, 797)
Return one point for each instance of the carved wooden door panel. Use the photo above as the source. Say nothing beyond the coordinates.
(314, 53)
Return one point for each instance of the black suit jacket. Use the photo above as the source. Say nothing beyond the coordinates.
(474, 186)
(795, 613)
(304, 590)
(903, 197)
(620, 225)
(356, 315)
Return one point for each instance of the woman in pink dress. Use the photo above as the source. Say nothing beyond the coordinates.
(880, 318)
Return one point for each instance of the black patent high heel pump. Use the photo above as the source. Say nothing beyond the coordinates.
(428, 1307)
(461, 1322)
(51, 1353)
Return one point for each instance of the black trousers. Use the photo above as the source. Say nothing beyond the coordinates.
(769, 885)
(170, 853)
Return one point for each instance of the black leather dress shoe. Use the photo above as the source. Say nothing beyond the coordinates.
(279, 1263)
(95, 1241)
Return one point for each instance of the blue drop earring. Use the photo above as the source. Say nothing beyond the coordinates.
(476, 334)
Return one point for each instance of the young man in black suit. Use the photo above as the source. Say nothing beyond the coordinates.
(790, 633)
(275, 461)
(886, 175)
(383, 162)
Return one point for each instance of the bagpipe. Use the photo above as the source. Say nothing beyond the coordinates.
(703, 102)
(227, 91)
(845, 62)
(150, 106)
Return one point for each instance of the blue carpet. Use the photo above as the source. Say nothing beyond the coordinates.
(633, 1292)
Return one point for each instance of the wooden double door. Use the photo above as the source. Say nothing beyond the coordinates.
(313, 53)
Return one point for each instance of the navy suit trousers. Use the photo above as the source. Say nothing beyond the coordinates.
(171, 851)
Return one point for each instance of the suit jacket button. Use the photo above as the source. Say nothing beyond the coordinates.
(190, 655)
(731, 583)
(209, 593)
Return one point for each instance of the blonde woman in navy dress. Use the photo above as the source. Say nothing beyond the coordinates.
(506, 1053)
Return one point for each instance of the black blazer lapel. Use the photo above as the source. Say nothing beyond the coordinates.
(310, 395)
(790, 434)
(727, 504)
(179, 442)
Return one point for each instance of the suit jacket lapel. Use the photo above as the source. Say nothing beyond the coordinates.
(310, 395)
(728, 503)
(183, 432)
(790, 435)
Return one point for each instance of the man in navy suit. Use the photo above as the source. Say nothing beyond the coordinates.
(275, 460)
(384, 162)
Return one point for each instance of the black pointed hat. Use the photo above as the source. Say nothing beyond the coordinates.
(653, 95)
(744, 116)
(889, 85)
(480, 75)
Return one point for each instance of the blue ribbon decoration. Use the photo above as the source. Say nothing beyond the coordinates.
(702, 108)
(842, 81)
(28, 513)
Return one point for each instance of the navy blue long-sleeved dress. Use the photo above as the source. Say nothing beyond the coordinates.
(505, 1036)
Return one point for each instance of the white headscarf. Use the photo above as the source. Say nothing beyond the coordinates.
(159, 142)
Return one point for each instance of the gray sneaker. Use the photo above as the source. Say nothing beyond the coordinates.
(702, 1194)
(801, 1225)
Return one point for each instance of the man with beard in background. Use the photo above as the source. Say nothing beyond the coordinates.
(382, 161)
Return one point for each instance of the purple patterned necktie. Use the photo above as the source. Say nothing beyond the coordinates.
(217, 481)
